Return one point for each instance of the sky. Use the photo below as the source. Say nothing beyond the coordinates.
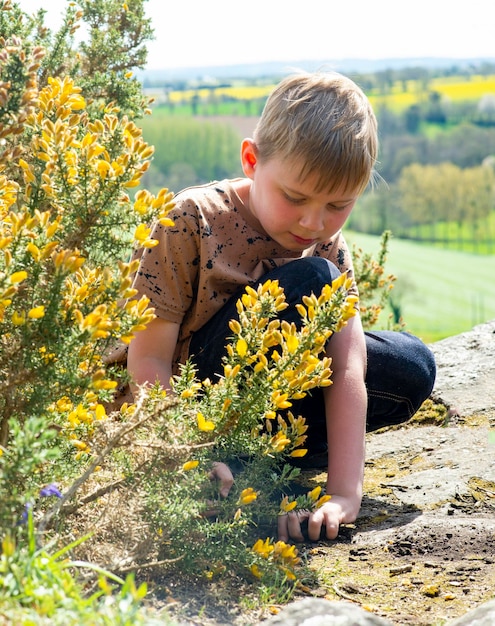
(201, 33)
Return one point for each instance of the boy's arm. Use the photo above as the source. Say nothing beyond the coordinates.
(151, 353)
(150, 359)
(345, 407)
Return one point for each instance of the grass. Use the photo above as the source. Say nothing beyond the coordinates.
(442, 292)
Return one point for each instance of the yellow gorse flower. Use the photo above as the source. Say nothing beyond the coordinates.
(241, 347)
(190, 465)
(263, 548)
(36, 312)
(142, 237)
(286, 506)
(204, 424)
(247, 496)
(300, 452)
(18, 277)
(18, 318)
(281, 554)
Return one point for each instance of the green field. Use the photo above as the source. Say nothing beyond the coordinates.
(443, 292)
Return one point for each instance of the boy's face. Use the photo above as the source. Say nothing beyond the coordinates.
(289, 210)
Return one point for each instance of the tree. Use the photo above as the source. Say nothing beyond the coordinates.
(446, 193)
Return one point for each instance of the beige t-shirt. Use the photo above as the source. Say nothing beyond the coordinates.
(215, 248)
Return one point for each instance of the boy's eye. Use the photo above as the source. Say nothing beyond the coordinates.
(294, 200)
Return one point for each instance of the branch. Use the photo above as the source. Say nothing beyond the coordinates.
(98, 460)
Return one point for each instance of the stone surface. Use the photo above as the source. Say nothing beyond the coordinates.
(318, 612)
(466, 370)
(483, 615)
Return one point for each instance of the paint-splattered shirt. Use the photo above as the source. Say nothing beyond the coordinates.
(215, 248)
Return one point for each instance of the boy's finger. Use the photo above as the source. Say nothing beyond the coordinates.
(222, 473)
(282, 528)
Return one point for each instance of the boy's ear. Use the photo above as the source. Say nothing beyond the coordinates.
(249, 157)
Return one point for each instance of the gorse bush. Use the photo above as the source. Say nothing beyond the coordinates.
(244, 420)
(70, 158)
(62, 237)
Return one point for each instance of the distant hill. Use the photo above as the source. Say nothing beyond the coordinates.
(274, 68)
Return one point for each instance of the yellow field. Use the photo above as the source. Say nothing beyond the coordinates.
(248, 92)
(456, 89)
(452, 88)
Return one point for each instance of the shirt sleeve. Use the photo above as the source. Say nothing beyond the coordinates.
(167, 273)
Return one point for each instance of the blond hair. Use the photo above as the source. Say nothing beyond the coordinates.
(323, 123)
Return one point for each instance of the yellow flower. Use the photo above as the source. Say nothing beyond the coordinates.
(142, 234)
(34, 251)
(18, 319)
(18, 277)
(315, 493)
(235, 327)
(100, 412)
(286, 506)
(103, 168)
(265, 548)
(298, 453)
(279, 442)
(204, 424)
(231, 372)
(280, 400)
(64, 404)
(322, 501)
(104, 384)
(292, 343)
(189, 465)
(37, 312)
(255, 571)
(247, 496)
(80, 445)
(241, 347)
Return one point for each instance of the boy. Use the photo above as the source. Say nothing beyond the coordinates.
(311, 157)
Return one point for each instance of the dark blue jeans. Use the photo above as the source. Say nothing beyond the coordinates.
(400, 370)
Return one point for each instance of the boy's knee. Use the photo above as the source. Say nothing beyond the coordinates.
(401, 375)
(317, 270)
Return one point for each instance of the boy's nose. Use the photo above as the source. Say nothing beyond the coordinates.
(312, 220)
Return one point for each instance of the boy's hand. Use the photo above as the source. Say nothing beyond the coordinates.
(330, 515)
(221, 473)
(223, 476)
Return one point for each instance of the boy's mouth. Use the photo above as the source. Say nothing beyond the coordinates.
(302, 241)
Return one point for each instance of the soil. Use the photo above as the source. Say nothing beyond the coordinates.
(422, 551)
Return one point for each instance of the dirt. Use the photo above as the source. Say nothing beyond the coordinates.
(422, 551)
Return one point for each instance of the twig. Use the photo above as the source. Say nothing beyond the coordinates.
(344, 595)
(97, 461)
(151, 564)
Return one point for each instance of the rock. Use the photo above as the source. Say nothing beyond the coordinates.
(466, 370)
(319, 612)
(483, 615)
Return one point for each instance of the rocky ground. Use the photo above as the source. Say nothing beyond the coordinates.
(422, 551)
